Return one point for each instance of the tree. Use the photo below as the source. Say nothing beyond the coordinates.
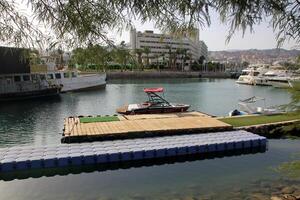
(170, 55)
(121, 55)
(147, 51)
(84, 21)
(139, 53)
(201, 60)
(93, 57)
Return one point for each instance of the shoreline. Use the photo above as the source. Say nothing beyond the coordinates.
(164, 74)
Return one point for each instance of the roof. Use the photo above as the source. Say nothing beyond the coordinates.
(154, 89)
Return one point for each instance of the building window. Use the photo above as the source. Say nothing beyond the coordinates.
(17, 78)
(26, 78)
(57, 76)
(42, 77)
(66, 75)
(50, 76)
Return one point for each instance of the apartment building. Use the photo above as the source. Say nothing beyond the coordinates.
(162, 45)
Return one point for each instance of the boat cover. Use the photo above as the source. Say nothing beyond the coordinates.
(154, 89)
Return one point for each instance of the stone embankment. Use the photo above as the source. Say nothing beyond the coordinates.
(275, 130)
(164, 74)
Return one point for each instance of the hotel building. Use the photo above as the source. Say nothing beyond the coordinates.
(160, 46)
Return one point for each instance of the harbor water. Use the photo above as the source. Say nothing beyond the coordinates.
(40, 122)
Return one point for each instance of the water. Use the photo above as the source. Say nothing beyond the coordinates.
(40, 123)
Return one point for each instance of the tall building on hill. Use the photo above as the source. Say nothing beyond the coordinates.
(187, 48)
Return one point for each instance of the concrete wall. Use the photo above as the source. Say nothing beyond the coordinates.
(164, 74)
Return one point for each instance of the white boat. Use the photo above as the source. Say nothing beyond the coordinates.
(25, 86)
(251, 106)
(253, 76)
(278, 78)
(72, 81)
(295, 82)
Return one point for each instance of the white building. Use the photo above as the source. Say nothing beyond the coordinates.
(203, 49)
(160, 46)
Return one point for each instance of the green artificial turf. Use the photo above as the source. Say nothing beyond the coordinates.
(261, 119)
(99, 119)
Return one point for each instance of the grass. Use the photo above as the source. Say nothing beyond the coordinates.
(262, 119)
(99, 119)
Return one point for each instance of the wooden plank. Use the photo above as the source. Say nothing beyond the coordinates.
(143, 123)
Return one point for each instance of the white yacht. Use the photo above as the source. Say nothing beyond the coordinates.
(253, 75)
(278, 78)
(72, 81)
(25, 86)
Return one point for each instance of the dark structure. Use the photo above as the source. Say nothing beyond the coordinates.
(14, 60)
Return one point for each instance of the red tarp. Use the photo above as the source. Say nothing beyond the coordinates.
(153, 89)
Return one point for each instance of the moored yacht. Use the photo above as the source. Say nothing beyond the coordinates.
(278, 78)
(25, 86)
(253, 75)
(72, 81)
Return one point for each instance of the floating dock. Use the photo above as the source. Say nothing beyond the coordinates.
(136, 126)
(65, 155)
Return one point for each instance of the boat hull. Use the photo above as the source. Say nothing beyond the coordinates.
(278, 84)
(83, 82)
(124, 110)
(55, 91)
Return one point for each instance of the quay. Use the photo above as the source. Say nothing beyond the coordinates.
(128, 150)
(82, 129)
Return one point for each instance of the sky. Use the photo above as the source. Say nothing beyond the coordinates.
(214, 36)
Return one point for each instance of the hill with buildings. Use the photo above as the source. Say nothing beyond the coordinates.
(254, 56)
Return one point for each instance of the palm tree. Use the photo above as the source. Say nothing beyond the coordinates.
(163, 57)
(147, 51)
(183, 58)
(190, 56)
(175, 54)
(139, 53)
(170, 55)
(121, 55)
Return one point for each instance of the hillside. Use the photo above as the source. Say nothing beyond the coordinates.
(255, 55)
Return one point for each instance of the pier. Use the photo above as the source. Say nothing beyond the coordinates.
(116, 151)
(137, 126)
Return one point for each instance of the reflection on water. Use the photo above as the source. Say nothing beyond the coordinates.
(219, 178)
(40, 122)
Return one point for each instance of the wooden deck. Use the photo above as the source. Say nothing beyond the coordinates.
(131, 126)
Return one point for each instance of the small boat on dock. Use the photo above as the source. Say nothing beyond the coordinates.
(155, 104)
(249, 107)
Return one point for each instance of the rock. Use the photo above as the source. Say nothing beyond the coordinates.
(288, 190)
(276, 193)
(188, 198)
(289, 197)
(276, 198)
(258, 196)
